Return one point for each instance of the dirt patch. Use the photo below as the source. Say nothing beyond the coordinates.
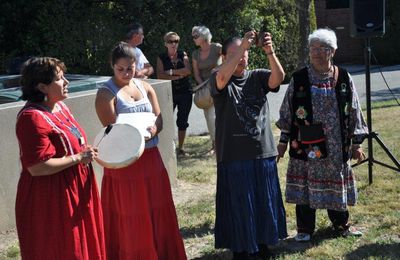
(7, 239)
(185, 192)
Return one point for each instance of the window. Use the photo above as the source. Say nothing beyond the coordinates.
(337, 4)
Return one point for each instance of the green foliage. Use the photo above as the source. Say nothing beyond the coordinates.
(81, 33)
(313, 16)
(280, 19)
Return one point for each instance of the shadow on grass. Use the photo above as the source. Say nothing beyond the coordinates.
(284, 249)
(380, 251)
(290, 246)
(197, 148)
(225, 255)
(197, 231)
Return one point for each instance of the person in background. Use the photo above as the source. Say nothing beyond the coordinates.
(134, 37)
(249, 209)
(321, 120)
(173, 64)
(204, 60)
(58, 210)
(139, 214)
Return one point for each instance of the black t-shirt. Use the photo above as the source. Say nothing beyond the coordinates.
(180, 86)
(243, 128)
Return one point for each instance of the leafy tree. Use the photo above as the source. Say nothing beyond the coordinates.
(81, 33)
(303, 7)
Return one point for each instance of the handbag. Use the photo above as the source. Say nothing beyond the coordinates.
(202, 96)
(313, 140)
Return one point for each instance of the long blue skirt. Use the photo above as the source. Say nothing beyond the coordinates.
(249, 206)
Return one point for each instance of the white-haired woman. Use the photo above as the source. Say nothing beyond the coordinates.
(204, 60)
(321, 120)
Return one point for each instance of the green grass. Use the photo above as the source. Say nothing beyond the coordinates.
(12, 252)
(377, 213)
(198, 167)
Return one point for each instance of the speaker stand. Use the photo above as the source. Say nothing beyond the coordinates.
(372, 135)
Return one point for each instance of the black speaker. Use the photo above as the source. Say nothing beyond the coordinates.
(367, 18)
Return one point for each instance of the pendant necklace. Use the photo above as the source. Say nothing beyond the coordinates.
(73, 128)
(174, 62)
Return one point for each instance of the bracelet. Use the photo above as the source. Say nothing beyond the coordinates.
(73, 157)
(170, 72)
(269, 53)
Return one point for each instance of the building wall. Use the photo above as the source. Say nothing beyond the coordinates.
(82, 106)
(350, 50)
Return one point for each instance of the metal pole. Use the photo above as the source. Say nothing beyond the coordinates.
(368, 96)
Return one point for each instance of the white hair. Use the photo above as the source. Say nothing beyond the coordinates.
(203, 32)
(326, 36)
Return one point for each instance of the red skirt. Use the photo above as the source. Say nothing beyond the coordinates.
(59, 216)
(139, 214)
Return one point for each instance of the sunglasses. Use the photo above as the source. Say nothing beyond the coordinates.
(173, 41)
(195, 36)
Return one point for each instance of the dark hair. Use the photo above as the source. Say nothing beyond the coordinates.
(38, 70)
(228, 42)
(133, 29)
(122, 50)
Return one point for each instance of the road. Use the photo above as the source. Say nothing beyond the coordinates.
(379, 91)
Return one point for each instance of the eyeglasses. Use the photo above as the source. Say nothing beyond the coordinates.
(195, 36)
(173, 41)
(320, 49)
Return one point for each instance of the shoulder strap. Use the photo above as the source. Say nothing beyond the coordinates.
(139, 84)
(110, 86)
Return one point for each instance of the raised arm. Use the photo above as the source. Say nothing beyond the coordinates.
(228, 67)
(277, 72)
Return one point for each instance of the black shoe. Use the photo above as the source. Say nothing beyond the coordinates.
(264, 252)
(181, 153)
(240, 256)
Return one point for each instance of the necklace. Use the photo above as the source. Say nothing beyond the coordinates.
(174, 61)
(322, 74)
(72, 128)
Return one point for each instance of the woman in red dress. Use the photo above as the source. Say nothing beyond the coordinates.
(58, 210)
(139, 214)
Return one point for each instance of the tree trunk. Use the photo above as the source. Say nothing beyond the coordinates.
(303, 8)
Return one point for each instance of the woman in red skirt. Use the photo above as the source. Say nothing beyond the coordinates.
(58, 210)
(139, 214)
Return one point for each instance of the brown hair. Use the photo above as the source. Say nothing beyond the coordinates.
(38, 70)
(122, 50)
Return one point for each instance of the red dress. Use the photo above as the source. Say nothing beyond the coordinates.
(139, 214)
(58, 216)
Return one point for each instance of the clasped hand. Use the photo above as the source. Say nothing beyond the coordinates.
(250, 38)
(88, 154)
(152, 130)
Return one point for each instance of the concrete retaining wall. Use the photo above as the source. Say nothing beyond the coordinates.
(82, 106)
